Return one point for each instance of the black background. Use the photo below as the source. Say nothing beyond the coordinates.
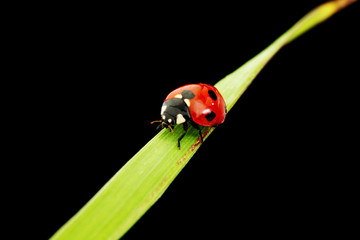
(93, 77)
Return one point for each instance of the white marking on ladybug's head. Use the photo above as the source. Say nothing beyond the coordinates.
(178, 96)
(163, 117)
(187, 101)
(169, 120)
(163, 108)
(180, 119)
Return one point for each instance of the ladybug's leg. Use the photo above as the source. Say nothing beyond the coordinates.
(181, 137)
(198, 128)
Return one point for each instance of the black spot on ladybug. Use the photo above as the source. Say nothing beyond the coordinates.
(210, 116)
(188, 94)
(212, 95)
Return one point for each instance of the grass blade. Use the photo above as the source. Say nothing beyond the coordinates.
(138, 185)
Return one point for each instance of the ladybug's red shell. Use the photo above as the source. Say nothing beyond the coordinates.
(206, 105)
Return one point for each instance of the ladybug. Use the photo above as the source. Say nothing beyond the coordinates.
(197, 104)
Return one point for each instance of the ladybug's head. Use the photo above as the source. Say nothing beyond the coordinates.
(173, 111)
(167, 120)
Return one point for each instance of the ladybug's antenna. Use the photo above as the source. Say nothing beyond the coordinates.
(163, 125)
(156, 121)
(171, 129)
(160, 125)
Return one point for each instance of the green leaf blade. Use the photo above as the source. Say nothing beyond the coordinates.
(138, 185)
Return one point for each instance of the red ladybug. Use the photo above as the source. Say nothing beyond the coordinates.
(198, 104)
